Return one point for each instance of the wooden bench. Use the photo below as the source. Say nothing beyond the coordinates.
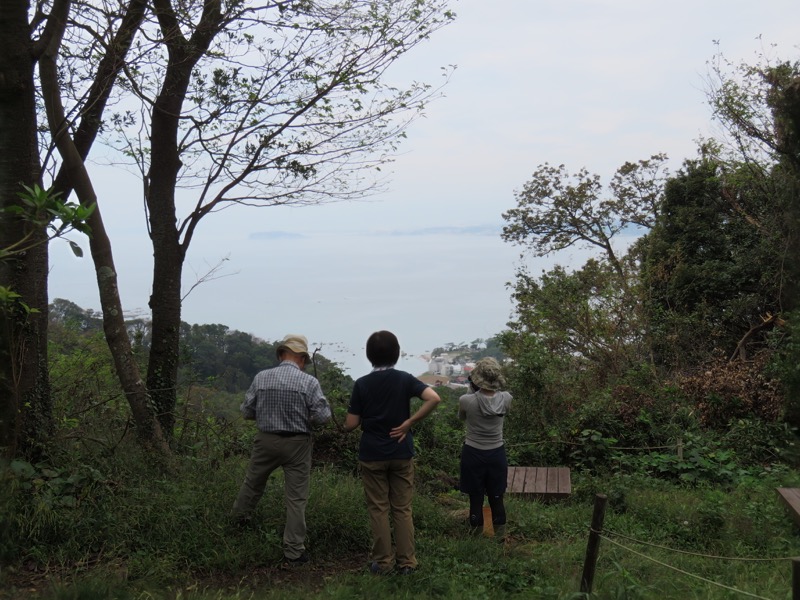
(791, 497)
(539, 482)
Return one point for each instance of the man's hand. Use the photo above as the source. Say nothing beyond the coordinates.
(401, 431)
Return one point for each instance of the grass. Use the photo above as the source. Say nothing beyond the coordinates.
(137, 536)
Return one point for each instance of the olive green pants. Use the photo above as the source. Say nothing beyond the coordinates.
(293, 455)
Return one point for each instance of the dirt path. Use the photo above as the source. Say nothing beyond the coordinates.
(34, 581)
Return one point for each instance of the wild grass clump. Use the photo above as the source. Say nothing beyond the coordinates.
(337, 515)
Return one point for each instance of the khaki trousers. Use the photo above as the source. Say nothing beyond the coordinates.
(293, 454)
(389, 487)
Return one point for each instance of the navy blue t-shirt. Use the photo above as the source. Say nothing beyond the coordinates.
(383, 401)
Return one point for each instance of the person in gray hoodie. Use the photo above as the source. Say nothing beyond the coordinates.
(484, 468)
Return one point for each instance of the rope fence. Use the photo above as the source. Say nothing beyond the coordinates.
(611, 447)
(597, 533)
(698, 554)
(682, 571)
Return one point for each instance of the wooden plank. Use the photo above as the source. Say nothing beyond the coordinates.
(540, 487)
(518, 486)
(530, 479)
(552, 481)
(791, 497)
(540, 482)
(564, 481)
(527, 474)
(525, 478)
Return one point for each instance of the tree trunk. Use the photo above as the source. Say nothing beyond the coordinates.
(168, 256)
(165, 303)
(73, 174)
(168, 251)
(25, 403)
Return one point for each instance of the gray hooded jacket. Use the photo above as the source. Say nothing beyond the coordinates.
(484, 417)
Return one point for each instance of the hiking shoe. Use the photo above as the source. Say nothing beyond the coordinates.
(300, 560)
(500, 533)
(240, 523)
(406, 570)
(376, 569)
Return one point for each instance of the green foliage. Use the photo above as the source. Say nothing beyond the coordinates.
(438, 440)
(92, 589)
(556, 210)
(540, 383)
(586, 318)
(709, 264)
(218, 365)
(785, 364)
(593, 451)
(13, 307)
(687, 332)
(226, 359)
(89, 410)
(9, 544)
(55, 496)
(38, 208)
(762, 442)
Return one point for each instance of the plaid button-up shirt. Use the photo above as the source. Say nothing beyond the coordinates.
(284, 399)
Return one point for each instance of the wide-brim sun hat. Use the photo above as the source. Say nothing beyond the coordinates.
(294, 342)
(488, 375)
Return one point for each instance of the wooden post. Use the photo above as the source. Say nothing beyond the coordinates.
(796, 579)
(593, 546)
(680, 448)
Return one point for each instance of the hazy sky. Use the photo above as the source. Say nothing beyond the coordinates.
(584, 83)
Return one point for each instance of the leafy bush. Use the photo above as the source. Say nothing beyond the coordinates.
(438, 440)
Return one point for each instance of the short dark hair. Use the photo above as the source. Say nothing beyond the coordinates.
(383, 349)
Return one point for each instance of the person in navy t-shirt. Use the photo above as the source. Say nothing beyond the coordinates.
(381, 405)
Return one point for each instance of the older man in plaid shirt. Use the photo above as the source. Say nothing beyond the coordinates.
(286, 404)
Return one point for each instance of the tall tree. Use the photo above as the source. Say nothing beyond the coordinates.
(25, 406)
(709, 265)
(758, 106)
(591, 316)
(281, 103)
(556, 210)
(584, 316)
(112, 29)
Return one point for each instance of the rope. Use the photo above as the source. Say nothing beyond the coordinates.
(677, 550)
(583, 443)
(676, 569)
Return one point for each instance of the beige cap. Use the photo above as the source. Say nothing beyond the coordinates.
(294, 342)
